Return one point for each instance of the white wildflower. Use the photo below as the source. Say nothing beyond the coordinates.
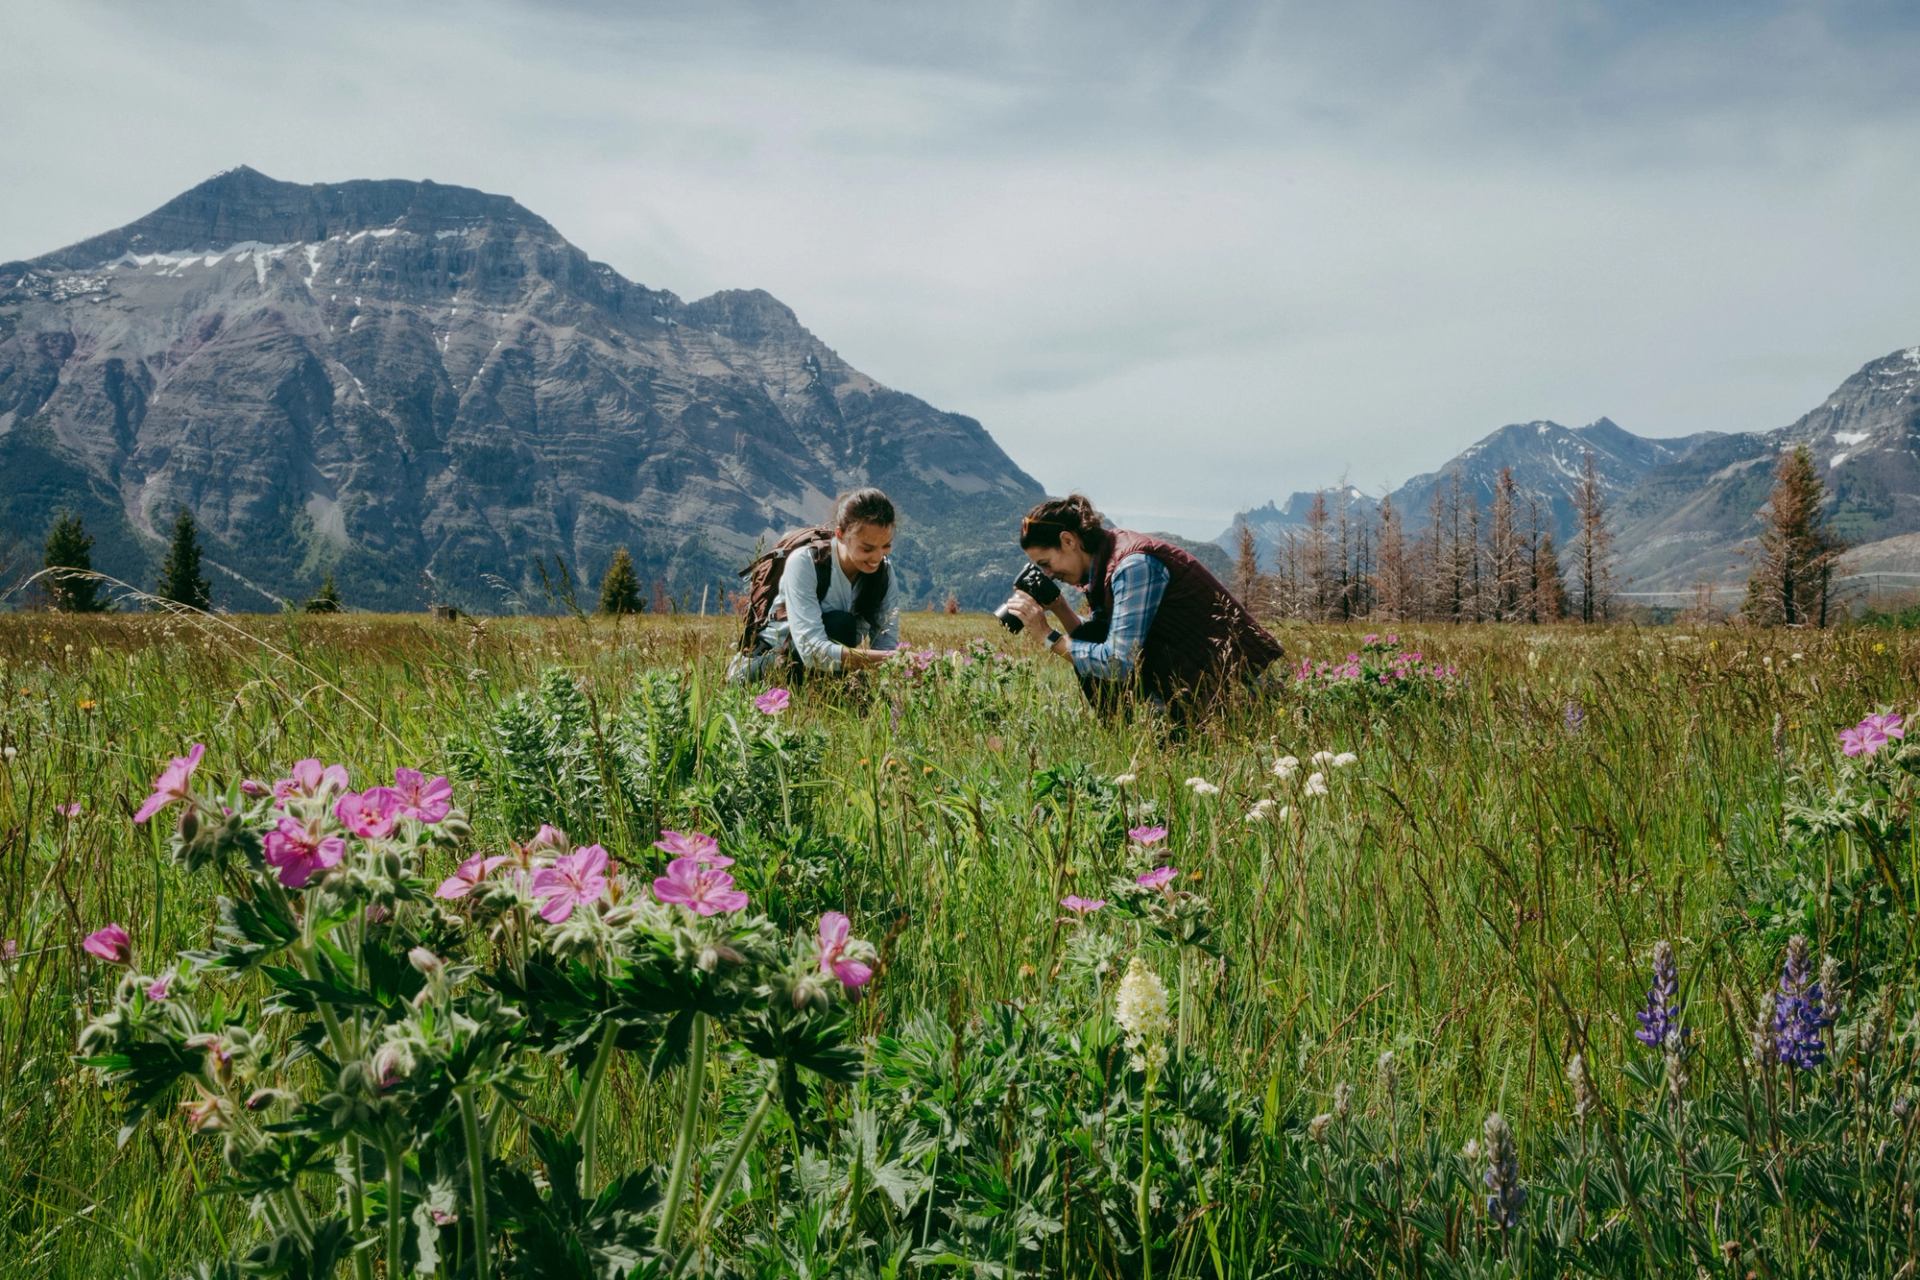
(1261, 808)
(1285, 767)
(1201, 787)
(1125, 779)
(1323, 758)
(1141, 1010)
(1316, 784)
(1345, 759)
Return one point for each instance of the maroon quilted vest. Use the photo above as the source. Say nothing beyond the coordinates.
(1201, 634)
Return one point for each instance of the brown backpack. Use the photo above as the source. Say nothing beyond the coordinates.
(763, 582)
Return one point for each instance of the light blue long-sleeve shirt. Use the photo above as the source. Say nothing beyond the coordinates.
(1139, 581)
(804, 631)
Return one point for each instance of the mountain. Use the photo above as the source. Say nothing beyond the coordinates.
(426, 389)
(1685, 511)
(1691, 520)
(1546, 459)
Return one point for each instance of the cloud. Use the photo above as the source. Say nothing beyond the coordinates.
(1184, 256)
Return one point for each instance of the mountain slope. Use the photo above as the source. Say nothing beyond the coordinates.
(1692, 520)
(424, 388)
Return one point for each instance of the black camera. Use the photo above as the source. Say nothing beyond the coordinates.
(1035, 582)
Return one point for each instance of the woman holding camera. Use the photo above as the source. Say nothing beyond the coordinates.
(1161, 622)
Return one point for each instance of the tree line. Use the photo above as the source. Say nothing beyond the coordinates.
(1501, 563)
(1465, 564)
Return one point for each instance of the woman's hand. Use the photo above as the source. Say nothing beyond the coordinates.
(1033, 619)
(862, 659)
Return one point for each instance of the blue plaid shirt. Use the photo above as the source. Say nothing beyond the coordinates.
(1138, 583)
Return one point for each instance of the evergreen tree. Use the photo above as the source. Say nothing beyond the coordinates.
(180, 579)
(1792, 581)
(70, 546)
(1246, 568)
(1549, 596)
(1593, 545)
(620, 588)
(328, 601)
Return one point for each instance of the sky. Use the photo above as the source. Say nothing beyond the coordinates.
(1182, 257)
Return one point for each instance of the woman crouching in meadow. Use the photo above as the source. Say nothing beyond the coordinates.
(1162, 625)
(823, 600)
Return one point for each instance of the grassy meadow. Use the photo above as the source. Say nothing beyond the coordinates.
(1478, 894)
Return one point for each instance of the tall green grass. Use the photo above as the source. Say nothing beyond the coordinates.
(1478, 894)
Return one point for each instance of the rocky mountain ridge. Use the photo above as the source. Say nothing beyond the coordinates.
(426, 389)
(1684, 511)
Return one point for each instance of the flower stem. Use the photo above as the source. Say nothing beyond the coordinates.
(476, 1177)
(748, 1133)
(689, 1121)
(396, 1201)
(1146, 1166)
(586, 1122)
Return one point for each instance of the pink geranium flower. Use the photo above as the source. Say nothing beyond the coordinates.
(68, 810)
(1147, 837)
(160, 988)
(1082, 906)
(428, 799)
(371, 814)
(1869, 736)
(702, 848)
(300, 852)
(550, 837)
(310, 778)
(467, 876)
(772, 702)
(834, 928)
(702, 889)
(1889, 723)
(111, 944)
(574, 880)
(1158, 878)
(171, 785)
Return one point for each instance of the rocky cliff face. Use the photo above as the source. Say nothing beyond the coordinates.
(1685, 511)
(1692, 520)
(426, 389)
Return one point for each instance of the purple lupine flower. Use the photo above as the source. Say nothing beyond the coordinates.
(1505, 1194)
(1660, 1020)
(1574, 718)
(1798, 1015)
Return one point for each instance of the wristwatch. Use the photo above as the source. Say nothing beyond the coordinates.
(1053, 638)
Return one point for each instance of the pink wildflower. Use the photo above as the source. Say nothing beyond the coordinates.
(300, 852)
(467, 876)
(1158, 878)
(550, 837)
(427, 799)
(371, 814)
(310, 778)
(161, 987)
(702, 848)
(68, 810)
(111, 944)
(1082, 906)
(1147, 837)
(574, 880)
(834, 947)
(171, 785)
(253, 789)
(772, 702)
(1889, 723)
(702, 890)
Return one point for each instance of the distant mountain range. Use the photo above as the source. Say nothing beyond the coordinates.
(1685, 510)
(425, 389)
